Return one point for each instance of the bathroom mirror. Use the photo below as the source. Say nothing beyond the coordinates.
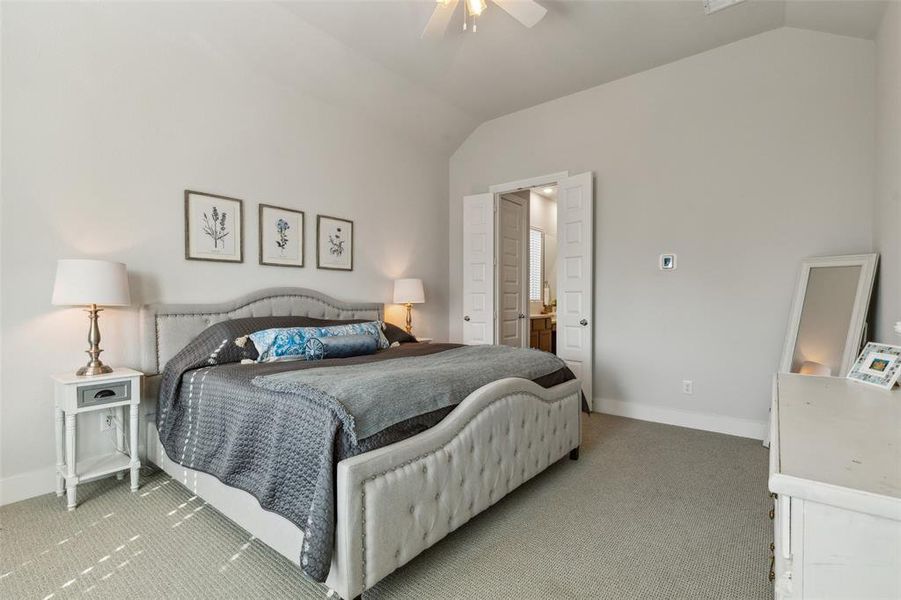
(828, 315)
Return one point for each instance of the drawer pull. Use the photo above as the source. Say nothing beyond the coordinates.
(104, 394)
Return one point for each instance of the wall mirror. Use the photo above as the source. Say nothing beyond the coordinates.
(828, 316)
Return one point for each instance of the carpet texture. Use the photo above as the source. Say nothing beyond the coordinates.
(649, 511)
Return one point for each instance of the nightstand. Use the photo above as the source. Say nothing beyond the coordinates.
(75, 395)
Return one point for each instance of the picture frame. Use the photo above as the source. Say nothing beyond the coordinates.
(281, 236)
(878, 365)
(214, 227)
(334, 243)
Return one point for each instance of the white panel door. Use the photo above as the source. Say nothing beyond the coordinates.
(513, 223)
(575, 279)
(478, 269)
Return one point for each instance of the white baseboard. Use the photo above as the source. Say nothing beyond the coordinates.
(27, 485)
(683, 418)
(42, 481)
(30, 484)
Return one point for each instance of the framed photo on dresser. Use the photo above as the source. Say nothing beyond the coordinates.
(214, 227)
(281, 236)
(878, 364)
(334, 243)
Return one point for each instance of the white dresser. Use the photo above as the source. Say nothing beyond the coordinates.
(835, 471)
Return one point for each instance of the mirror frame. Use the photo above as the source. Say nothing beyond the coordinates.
(854, 339)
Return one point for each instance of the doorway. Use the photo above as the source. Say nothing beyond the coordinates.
(542, 290)
(513, 269)
(505, 288)
(526, 283)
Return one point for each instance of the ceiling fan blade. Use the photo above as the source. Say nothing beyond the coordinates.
(439, 20)
(527, 12)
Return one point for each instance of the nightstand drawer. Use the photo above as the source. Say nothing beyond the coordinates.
(103, 393)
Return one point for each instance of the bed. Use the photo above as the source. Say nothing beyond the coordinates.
(390, 500)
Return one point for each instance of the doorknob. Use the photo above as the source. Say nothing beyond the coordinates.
(522, 316)
(583, 322)
(466, 318)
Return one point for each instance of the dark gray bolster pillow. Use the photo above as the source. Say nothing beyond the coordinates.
(340, 346)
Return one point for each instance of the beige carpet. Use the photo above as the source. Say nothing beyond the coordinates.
(649, 511)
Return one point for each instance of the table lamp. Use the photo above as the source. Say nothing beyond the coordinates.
(82, 282)
(408, 292)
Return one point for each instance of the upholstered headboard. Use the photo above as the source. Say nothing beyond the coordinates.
(167, 328)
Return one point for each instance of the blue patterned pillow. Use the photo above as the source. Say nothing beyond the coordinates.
(284, 343)
(289, 343)
(340, 346)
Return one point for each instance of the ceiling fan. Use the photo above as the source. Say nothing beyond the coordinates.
(527, 12)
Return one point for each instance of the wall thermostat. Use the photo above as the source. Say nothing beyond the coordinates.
(667, 262)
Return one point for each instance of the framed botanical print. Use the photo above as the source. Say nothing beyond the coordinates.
(334, 243)
(213, 227)
(281, 236)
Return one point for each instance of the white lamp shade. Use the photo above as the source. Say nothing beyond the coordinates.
(81, 282)
(408, 291)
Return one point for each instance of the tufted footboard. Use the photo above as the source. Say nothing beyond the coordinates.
(395, 502)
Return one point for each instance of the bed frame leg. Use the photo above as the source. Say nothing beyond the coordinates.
(574, 453)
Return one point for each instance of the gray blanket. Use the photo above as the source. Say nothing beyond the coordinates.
(283, 448)
(377, 397)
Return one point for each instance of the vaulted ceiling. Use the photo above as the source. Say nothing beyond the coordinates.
(506, 67)
(367, 58)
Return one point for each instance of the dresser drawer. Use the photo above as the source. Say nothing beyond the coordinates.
(103, 393)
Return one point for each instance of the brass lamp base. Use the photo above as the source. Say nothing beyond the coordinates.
(409, 325)
(91, 369)
(95, 366)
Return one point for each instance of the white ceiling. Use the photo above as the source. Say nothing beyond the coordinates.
(506, 67)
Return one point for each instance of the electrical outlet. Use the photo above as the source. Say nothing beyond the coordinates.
(688, 386)
(107, 421)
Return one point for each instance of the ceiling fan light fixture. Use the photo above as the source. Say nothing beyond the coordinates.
(475, 7)
(527, 12)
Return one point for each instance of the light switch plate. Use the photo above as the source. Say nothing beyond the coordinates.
(667, 262)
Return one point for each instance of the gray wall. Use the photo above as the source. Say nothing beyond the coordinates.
(112, 111)
(888, 174)
(742, 160)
